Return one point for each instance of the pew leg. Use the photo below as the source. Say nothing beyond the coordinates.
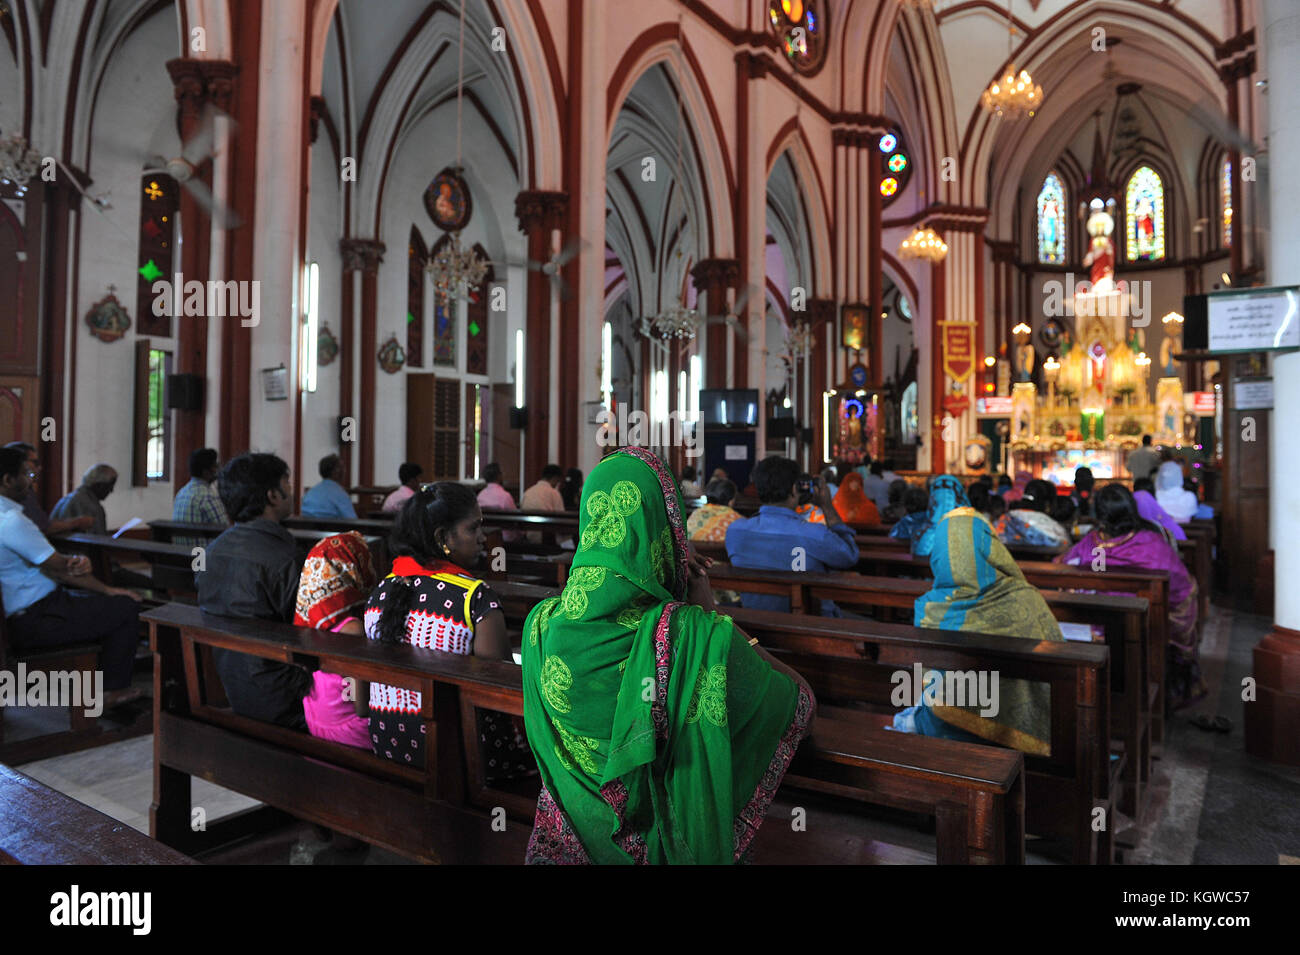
(952, 824)
(169, 813)
(1014, 823)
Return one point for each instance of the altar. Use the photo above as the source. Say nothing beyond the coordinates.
(1096, 402)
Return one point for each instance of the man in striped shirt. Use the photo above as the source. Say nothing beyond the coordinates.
(198, 502)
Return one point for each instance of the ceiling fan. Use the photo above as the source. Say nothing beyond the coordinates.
(732, 316)
(552, 266)
(182, 161)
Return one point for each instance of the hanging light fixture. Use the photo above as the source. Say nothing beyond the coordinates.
(924, 244)
(455, 270)
(1013, 94)
(799, 341)
(19, 163)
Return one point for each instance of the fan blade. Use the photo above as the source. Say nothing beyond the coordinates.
(571, 248)
(198, 148)
(561, 286)
(154, 172)
(742, 299)
(222, 217)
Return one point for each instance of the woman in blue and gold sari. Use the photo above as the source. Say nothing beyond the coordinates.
(978, 587)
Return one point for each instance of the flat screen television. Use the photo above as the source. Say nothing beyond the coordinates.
(729, 407)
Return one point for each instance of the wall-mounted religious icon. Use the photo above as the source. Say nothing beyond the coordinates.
(976, 454)
(1050, 333)
(853, 325)
(448, 201)
(107, 318)
(391, 356)
(327, 347)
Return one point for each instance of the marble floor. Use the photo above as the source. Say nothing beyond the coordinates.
(1211, 803)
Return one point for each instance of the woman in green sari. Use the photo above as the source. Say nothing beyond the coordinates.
(660, 731)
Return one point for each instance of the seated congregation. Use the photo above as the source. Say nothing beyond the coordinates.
(670, 686)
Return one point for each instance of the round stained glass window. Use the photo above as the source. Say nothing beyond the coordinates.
(801, 27)
(896, 167)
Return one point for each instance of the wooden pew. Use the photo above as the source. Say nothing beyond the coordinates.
(445, 812)
(40, 826)
(1122, 619)
(304, 537)
(1153, 586)
(83, 731)
(334, 525)
(854, 660)
(870, 764)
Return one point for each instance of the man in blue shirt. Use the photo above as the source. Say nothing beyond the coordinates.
(776, 538)
(39, 612)
(329, 498)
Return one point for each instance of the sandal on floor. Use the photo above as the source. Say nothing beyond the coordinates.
(1211, 724)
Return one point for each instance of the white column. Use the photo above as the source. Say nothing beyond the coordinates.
(277, 250)
(591, 223)
(1282, 50)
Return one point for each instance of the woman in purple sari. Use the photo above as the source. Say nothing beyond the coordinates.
(1129, 540)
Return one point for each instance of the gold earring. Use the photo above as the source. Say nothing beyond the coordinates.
(446, 549)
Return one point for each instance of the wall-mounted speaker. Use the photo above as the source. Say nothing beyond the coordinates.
(185, 392)
(781, 428)
(519, 418)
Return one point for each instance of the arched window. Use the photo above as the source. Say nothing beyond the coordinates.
(1225, 200)
(159, 200)
(476, 326)
(1051, 221)
(801, 28)
(1144, 216)
(417, 257)
(444, 318)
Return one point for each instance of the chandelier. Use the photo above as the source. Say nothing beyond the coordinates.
(1015, 93)
(18, 162)
(455, 269)
(675, 321)
(924, 244)
(799, 341)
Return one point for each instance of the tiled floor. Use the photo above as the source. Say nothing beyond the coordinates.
(1210, 802)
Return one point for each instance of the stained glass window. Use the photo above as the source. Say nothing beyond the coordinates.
(1051, 221)
(1225, 198)
(801, 27)
(1144, 216)
(444, 319)
(417, 257)
(159, 200)
(896, 168)
(477, 316)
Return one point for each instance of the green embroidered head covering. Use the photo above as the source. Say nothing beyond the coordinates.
(652, 722)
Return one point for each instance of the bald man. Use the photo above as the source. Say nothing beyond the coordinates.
(96, 484)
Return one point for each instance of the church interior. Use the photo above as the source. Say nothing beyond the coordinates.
(798, 369)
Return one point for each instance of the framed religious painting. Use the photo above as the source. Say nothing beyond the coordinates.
(853, 327)
(448, 201)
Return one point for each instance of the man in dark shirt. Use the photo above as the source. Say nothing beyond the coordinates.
(252, 570)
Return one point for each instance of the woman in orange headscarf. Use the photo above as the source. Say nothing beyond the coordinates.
(852, 502)
(336, 582)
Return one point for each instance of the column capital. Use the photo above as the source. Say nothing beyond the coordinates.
(755, 66)
(537, 209)
(189, 85)
(709, 271)
(821, 310)
(220, 78)
(952, 218)
(361, 254)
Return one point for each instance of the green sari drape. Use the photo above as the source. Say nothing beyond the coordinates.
(660, 735)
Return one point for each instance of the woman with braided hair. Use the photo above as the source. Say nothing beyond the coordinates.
(432, 600)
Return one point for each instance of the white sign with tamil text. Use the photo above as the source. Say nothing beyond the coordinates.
(1254, 394)
(1254, 322)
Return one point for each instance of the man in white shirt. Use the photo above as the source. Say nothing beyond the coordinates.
(41, 613)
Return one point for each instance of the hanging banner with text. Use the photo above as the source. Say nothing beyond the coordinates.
(958, 349)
